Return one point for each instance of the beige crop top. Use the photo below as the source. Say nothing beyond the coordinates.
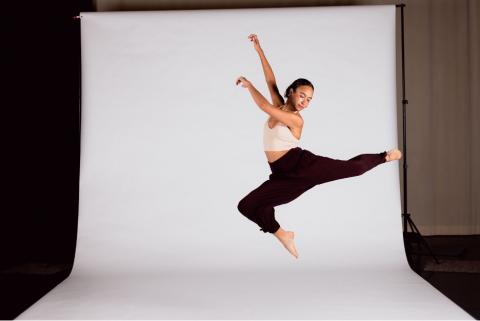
(278, 138)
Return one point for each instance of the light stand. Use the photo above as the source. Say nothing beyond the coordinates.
(407, 220)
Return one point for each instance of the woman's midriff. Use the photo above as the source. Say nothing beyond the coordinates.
(274, 155)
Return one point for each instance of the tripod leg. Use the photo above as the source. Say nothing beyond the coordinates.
(415, 229)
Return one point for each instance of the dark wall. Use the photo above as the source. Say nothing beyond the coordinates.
(41, 98)
(41, 69)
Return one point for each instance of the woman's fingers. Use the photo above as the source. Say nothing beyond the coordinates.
(242, 80)
(253, 37)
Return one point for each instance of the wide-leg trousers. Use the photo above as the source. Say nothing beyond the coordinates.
(293, 174)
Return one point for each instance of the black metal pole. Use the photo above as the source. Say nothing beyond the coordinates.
(407, 221)
(404, 102)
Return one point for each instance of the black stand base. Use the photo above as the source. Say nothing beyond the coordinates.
(415, 238)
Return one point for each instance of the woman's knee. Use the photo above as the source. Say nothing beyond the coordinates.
(245, 207)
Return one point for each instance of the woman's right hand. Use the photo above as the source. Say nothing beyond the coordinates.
(245, 83)
(256, 43)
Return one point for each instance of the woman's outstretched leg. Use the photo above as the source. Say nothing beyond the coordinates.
(324, 169)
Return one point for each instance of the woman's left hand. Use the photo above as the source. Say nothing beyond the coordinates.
(245, 83)
(256, 43)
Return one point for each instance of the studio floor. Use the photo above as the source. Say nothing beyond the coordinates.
(457, 276)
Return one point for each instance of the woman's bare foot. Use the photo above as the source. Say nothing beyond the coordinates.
(286, 238)
(393, 154)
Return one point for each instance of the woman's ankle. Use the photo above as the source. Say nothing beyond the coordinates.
(280, 232)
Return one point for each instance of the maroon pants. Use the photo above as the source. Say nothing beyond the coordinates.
(294, 173)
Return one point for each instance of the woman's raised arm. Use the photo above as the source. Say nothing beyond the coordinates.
(288, 118)
(277, 99)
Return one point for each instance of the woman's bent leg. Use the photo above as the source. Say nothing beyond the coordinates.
(258, 205)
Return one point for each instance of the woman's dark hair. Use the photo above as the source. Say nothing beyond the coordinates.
(297, 83)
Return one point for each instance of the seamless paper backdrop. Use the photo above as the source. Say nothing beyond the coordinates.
(170, 145)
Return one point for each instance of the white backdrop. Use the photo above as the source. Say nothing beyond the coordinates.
(170, 145)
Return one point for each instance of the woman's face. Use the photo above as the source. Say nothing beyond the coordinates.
(301, 97)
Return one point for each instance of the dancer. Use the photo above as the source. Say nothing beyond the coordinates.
(294, 170)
